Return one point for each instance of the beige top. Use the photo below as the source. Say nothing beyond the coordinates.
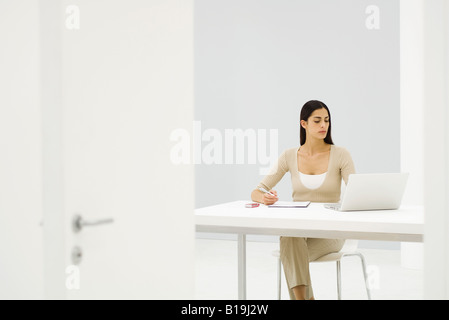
(340, 167)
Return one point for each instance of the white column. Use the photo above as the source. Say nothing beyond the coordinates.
(436, 148)
(412, 131)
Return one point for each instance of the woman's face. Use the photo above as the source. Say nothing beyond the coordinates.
(317, 125)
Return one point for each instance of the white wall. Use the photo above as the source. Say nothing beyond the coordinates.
(258, 62)
(21, 249)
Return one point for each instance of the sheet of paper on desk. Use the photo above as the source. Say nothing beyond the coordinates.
(290, 204)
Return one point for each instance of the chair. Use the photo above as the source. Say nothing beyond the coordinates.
(349, 249)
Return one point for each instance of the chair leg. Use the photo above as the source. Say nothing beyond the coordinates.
(365, 274)
(279, 278)
(339, 280)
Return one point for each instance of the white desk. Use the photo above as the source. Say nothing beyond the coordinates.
(405, 224)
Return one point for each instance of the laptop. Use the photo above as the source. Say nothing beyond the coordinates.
(382, 191)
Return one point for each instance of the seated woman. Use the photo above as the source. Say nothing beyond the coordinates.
(317, 168)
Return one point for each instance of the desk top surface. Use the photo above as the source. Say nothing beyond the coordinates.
(234, 215)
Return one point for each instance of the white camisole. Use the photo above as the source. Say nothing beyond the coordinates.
(312, 181)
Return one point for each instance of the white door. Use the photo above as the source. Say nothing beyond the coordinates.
(126, 72)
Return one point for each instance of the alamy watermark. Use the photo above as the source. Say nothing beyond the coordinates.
(73, 280)
(373, 274)
(231, 146)
(372, 21)
(72, 19)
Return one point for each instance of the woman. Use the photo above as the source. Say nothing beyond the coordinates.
(316, 168)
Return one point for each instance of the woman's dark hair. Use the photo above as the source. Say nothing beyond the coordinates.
(306, 112)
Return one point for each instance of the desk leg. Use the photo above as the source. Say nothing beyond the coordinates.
(242, 266)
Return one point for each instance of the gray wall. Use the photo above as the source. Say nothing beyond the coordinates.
(258, 61)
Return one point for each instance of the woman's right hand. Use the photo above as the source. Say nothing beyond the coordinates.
(269, 199)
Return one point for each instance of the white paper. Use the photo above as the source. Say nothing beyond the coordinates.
(290, 204)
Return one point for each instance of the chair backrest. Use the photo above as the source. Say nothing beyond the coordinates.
(350, 245)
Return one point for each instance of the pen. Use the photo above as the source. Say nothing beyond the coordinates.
(265, 191)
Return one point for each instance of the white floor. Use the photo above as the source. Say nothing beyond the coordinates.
(216, 274)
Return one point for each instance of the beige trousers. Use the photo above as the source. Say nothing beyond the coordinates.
(296, 253)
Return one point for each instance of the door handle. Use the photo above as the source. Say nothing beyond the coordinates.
(78, 223)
